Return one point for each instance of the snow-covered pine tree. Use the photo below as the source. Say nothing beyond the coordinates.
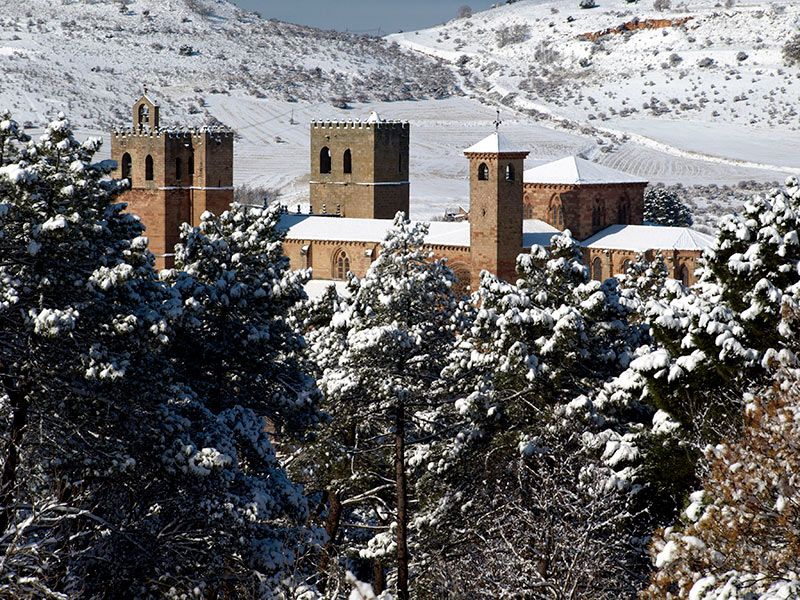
(555, 334)
(731, 327)
(729, 332)
(664, 207)
(740, 536)
(380, 360)
(131, 463)
(247, 386)
(82, 318)
(530, 354)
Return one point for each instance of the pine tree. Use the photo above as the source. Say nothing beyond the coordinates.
(81, 315)
(133, 465)
(739, 535)
(663, 207)
(520, 377)
(380, 360)
(729, 332)
(233, 345)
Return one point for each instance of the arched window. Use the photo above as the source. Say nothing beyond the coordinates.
(598, 216)
(191, 164)
(624, 212)
(127, 166)
(597, 269)
(148, 168)
(555, 212)
(684, 274)
(347, 161)
(178, 168)
(341, 265)
(144, 115)
(483, 172)
(509, 172)
(325, 160)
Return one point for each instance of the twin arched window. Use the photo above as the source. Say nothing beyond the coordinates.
(483, 172)
(347, 161)
(325, 160)
(127, 166)
(341, 265)
(148, 168)
(508, 172)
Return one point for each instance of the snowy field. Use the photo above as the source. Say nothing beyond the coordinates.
(707, 100)
(636, 102)
(272, 152)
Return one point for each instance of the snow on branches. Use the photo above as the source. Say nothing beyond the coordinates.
(663, 207)
(739, 536)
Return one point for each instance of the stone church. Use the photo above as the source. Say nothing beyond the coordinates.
(360, 179)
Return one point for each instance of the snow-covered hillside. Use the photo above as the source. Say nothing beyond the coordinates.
(207, 60)
(89, 58)
(702, 80)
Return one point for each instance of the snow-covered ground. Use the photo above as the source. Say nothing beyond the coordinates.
(734, 120)
(88, 58)
(713, 88)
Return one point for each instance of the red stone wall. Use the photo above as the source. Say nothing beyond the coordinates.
(175, 195)
(377, 188)
(321, 254)
(495, 215)
(612, 262)
(572, 206)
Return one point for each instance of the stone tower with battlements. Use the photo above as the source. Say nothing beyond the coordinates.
(495, 210)
(359, 169)
(175, 175)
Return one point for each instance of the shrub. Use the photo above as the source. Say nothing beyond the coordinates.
(465, 12)
(512, 34)
(587, 4)
(791, 50)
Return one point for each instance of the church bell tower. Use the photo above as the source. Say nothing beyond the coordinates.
(495, 214)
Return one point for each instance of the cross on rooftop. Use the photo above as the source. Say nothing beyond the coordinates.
(497, 121)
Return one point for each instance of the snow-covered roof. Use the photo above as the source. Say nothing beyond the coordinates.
(316, 288)
(443, 233)
(374, 117)
(311, 227)
(537, 233)
(641, 238)
(576, 170)
(495, 143)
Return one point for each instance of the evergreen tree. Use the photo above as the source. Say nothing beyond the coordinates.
(380, 360)
(234, 347)
(727, 333)
(82, 319)
(663, 207)
(739, 536)
(133, 465)
(531, 354)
